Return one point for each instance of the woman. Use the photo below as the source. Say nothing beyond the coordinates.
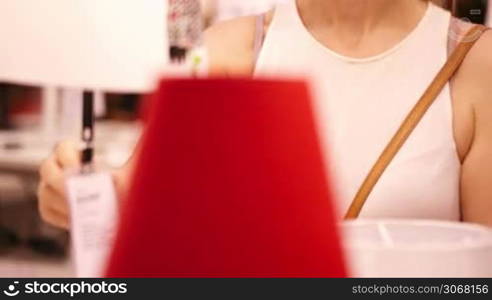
(370, 61)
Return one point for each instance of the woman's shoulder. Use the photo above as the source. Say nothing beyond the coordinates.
(230, 45)
(481, 53)
(477, 67)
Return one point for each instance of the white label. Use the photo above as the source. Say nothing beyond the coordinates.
(94, 212)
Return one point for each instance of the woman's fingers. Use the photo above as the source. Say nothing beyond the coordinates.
(51, 191)
(57, 201)
(52, 175)
(52, 170)
(67, 155)
(53, 207)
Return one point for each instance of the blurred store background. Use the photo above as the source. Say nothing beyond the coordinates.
(28, 132)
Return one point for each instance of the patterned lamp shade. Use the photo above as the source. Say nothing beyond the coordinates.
(184, 23)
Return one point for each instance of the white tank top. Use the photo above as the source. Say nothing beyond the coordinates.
(360, 103)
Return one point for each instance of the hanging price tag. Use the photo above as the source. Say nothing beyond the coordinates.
(94, 212)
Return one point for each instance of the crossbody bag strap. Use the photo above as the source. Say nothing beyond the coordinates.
(413, 119)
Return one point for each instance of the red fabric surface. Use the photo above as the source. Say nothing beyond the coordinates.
(229, 183)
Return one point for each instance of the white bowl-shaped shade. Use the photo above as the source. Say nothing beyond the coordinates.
(411, 248)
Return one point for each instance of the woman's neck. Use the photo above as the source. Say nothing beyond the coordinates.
(361, 27)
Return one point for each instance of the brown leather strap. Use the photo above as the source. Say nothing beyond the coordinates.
(413, 118)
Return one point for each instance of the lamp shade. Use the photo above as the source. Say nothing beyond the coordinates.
(229, 183)
(112, 45)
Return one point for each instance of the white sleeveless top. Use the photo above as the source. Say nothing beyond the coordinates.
(359, 105)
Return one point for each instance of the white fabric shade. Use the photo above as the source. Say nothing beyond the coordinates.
(112, 45)
(418, 248)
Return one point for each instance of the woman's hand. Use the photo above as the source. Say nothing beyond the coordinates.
(52, 201)
(53, 206)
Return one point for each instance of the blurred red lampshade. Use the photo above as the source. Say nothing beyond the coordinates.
(229, 183)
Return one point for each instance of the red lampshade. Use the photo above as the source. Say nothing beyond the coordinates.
(230, 183)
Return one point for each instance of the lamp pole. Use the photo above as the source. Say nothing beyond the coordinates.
(49, 111)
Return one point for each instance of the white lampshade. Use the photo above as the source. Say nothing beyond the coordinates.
(418, 248)
(111, 45)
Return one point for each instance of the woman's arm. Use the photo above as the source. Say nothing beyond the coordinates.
(230, 47)
(474, 85)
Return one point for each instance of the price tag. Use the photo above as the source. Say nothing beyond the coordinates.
(94, 212)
